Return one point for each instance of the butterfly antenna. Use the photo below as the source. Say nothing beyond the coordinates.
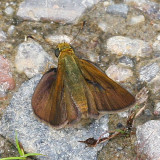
(82, 26)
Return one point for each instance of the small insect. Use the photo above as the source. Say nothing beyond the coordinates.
(76, 90)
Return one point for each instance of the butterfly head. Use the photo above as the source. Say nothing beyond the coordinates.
(63, 47)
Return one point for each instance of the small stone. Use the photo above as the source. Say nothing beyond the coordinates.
(156, 26)
(118, 9)
(11, 29)
(155, 86)
(126, 61)
(148, 140)
(158, 37)
(156, 46)
(125, 46)
(118, 73)
(59, 39)
(9, 10)
(147, 112)
(123, 114)
(136, 20)
(32, 59)
(2, 36)
(102, 26)
(6, 80)
(148, 72)
(157, 109)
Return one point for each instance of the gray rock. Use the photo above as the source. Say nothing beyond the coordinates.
(126, 61)
(148, 72)
(125, 46)
(32, 59)
(148, 140)
(65, 11)
(38, 137)
(118, 9)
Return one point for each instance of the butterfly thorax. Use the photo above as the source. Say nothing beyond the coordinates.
(74, 81)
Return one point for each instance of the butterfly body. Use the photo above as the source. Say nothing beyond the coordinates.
(76, 90)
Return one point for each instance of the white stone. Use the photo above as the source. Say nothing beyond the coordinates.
(136, 20)
(119, 73)
(59, 39)
(9, 10)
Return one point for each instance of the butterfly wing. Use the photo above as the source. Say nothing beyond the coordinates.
(108, 95)
(51, 102)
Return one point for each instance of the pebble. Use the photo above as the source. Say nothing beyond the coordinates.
(119, 73)
(136, 20)
(59, 11)
(31, 59)
(38, 137)
(9, 10)
(148, 72)
(156, 47)
(11, 29)
(58, 39)
(125, 46)
(147, 112)
(157, 109)
(118, 9)
(126, 61)
(2, 36)
(155, 86)
(6, 80)
(102, 26)
(148, 140)
(123, 114)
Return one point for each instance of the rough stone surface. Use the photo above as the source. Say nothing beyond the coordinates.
(148, 140)
(118, 73)
(32, 59)
(38, 137)
(125, 46)
(6, 80)
(118, 9)
(148, 72)
(61, 11)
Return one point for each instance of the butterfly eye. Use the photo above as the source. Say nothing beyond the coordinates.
(57, 52)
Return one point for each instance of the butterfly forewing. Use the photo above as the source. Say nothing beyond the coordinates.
(109, 96)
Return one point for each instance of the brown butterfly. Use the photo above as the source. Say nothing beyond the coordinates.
(76, 90)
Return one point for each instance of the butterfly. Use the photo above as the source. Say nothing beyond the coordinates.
(76, 90)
